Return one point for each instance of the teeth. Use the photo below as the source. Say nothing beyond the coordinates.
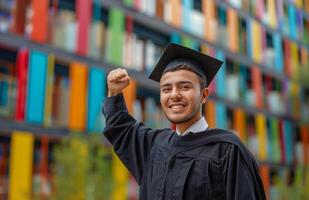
(176, 106)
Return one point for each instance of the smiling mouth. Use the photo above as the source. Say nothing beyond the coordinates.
(177, 107)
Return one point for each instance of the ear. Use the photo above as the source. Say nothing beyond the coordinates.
(205, 93)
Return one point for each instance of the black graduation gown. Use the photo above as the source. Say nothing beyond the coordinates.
(212, 164)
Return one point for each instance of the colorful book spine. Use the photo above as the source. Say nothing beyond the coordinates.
(116, 21)
(96, 94)
(84, 14)
(239, 122)
(78, 94)
(210, 113)
(40, 16)
(295, 61)
(277, 43)
(38, 63)
(187, 7)
(221, 118)
(292, 21)
(289, 141)
(232, 28)
(272, 15)
(257, 86)
(21, 157)
(176, 14)
(261, 132)
(49, 90)
(22, 70)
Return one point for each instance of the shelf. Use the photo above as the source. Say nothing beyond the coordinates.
(245, 15)
(17, 41)
(144, 83)
(164, 28)
(55, 134)
(9, 125)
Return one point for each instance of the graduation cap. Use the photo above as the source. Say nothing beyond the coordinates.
(175, 55)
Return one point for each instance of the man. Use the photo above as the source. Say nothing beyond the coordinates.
(194, 162)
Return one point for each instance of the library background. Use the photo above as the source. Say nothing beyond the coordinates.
(54, 57)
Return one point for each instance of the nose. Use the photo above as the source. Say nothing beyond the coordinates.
(175, 94)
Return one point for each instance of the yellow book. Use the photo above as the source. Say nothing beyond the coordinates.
(49, 90)
(257, 41)
(261, 131)
(271, 9)
(78, 94)
(21, 158)
(295, 61)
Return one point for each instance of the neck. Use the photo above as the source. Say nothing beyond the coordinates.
(182, 127)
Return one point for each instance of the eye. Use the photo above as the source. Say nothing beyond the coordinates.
(165, 90)
(185, 87)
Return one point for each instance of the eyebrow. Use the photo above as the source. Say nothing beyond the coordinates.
(177, 83)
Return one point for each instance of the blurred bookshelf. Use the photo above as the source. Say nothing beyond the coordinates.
(55, 54)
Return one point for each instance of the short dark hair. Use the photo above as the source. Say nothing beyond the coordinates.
(203, 83)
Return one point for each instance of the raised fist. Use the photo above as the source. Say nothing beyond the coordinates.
(117, 80)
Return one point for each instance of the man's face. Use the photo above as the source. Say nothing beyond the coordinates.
(181, 96)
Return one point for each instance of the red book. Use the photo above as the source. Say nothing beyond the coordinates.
(84, 14)
(287, 58)
(22, 69)
(257, 86)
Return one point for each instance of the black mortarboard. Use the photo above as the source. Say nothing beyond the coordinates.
(174, 55)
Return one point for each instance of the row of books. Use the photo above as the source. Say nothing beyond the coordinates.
(269, 138)
(61, 84)
(118, 41)
(280, 15)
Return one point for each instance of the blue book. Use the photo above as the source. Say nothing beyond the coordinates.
(220, 77)
(292, 21)
(37, 74)
(187, 7)
(288, 139)
(221, 117)
(249, 38)
(277, 42)
(96, 95)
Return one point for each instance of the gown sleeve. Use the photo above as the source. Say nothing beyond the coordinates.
(131, 140)
(242, 177)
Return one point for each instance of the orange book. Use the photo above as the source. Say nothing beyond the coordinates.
(40, 21)
(160, 8)
(265, 176)
(239, 123)
(208, 9)
(78, 94)
(176, 12)
(210, 113)
(257, 86)
(232, 28)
